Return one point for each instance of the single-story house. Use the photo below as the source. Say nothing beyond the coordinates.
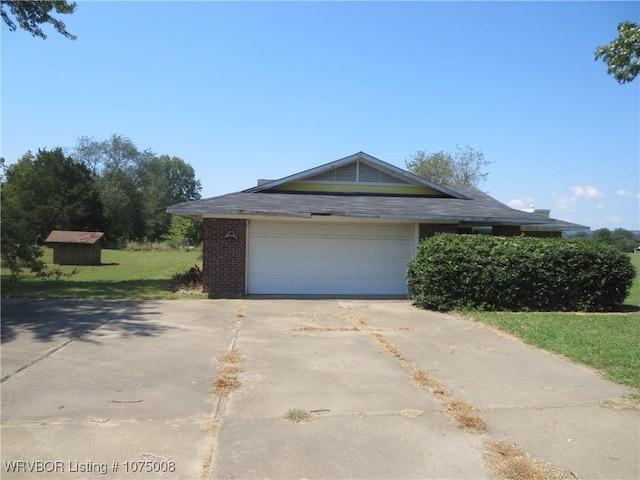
(76, 248)
(348, 227)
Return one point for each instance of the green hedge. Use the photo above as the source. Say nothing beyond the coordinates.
(517, 273)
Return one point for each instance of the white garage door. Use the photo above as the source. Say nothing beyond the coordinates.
(329, 258)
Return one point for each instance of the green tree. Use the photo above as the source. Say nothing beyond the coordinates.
(624, 240)
(602, 235)
(622, 55)
(48, 191)
(136, 186)
(164, 181)
(462, 168)
(114, 166)
(184, 232)
(621, 238)
(29, 15)
(18, 244)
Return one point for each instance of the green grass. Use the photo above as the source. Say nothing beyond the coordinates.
(124, 274)
(607, 342)
(633, 300)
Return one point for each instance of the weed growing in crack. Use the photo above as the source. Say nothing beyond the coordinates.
(232, 356)
(388, 346)
(230, 369)
(420, 378)
(297, 415)
(465, 416)
(225, 384)
(508, 461)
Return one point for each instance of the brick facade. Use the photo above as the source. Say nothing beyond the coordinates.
(430, 229)
(224, 257)
(506, 230)
(542, 234)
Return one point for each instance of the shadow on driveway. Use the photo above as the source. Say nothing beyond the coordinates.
(52, 320)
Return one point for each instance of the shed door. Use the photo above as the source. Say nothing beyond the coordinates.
(301, 258)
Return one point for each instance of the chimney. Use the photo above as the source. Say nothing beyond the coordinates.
(542, 213)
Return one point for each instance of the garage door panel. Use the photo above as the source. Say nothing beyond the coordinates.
(338, 258)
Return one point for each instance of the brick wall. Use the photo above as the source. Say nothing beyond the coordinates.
(430, 229)
(224, 257)
(506, 230)
(539, 234)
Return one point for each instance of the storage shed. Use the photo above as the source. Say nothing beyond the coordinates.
(76, 248)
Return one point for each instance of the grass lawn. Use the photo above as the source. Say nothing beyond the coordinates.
(124, 274)
(608, 342)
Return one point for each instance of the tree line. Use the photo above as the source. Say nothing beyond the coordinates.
(110, 186)
(624, 240)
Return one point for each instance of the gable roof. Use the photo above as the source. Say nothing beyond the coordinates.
(388, 172)
(68, 236)
(436, 203)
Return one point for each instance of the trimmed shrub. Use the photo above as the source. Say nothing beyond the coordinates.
(452, 271)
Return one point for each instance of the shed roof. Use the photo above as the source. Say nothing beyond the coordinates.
(68, 236)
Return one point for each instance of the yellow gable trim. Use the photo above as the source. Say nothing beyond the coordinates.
(309, 187)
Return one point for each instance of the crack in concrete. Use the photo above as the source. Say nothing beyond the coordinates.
(214, 425)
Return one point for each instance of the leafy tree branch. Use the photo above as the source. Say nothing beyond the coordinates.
(622, 55)
(30, 15)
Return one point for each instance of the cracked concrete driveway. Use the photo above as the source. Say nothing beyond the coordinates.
(123, 389)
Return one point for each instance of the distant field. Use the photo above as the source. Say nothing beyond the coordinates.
(124, 274)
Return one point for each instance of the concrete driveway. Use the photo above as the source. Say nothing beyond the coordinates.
(123, 389)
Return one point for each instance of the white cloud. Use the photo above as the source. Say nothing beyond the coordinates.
(524, 203)
(621, 193)
(564, 203)
(600, 205)
(516, 203)
(587, 191)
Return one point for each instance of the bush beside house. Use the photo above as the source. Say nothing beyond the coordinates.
(517, 273)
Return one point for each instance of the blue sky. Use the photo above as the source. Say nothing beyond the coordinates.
(248, 90)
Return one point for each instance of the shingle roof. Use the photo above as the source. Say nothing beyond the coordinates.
(67, 236)
(478, 207)
(457, 204)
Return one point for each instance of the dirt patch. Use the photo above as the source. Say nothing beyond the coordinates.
(507, 461)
